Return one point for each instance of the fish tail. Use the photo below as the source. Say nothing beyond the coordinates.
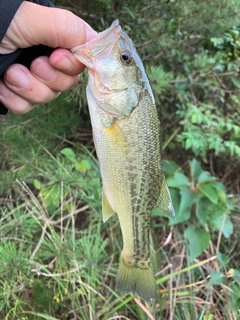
(138, 277)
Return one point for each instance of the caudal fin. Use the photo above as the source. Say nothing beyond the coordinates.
(138, 280)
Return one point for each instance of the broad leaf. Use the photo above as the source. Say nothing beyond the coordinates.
(198, 240)
(221, 191)
(202, 210)
(205, 176)
(222, 259)
(187, 199)
(195, 169)
(236, 276)
(234, 294)
(217, 277)
(83, 166)
(209, 192)
(221, 221)
(184, 215)
(178, 180)
(69, 153)
(170, 167)
(37, 184)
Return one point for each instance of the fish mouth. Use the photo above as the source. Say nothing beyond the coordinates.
(105, 39)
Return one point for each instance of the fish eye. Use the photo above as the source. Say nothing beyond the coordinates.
(126, 57)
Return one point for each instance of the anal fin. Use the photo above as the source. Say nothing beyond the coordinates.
(107, 210)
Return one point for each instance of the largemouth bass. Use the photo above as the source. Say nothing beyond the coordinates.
(126, 133)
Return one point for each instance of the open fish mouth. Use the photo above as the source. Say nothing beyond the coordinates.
(97, 45)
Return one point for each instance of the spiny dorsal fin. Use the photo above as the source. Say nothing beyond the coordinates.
(107, 210)
(164, 202)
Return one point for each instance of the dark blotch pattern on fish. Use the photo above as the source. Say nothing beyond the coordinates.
(144, 193)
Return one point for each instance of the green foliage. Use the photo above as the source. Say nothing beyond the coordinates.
(235, 290)
(229, 43)
(203, 197)
(79, 174)
(204, 130)
(198, 240)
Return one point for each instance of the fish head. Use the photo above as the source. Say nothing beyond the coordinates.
(116, 74)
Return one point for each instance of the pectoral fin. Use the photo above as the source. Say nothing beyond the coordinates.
(164, 202)
(107, 210)
(117, 140)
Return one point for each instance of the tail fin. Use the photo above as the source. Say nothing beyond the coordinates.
(137, 279)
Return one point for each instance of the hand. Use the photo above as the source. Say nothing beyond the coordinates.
(21, 88)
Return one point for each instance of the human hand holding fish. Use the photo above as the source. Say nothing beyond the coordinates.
(126, 133)
(32, 25)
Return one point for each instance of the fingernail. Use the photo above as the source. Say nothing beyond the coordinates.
(62, 62)
(42, 69)
(17, 77)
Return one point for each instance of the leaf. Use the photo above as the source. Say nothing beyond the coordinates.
(202, 211)
(187, 198)
(221, 191)
(69, 154)
(188, 144)
(178, 180)
(234, 294)
(83, 166)
(209, 192)
(221, 221)
(222, 259)
(198, 240)
(205, 176)
(217, 277)
(195, 169)
(51, 195)
(236, 276)
(37, 184)
(170, 167)
(3, 304)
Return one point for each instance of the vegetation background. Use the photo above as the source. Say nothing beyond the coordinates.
(57, 259)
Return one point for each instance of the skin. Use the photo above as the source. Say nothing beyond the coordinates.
(21, 89)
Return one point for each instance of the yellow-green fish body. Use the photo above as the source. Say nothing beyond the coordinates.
(126, 133)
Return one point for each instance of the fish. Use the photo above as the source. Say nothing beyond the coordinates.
(126, 134)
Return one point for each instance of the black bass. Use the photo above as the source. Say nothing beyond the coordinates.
(126, 133)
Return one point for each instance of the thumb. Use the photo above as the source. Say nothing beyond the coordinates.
(34, 24)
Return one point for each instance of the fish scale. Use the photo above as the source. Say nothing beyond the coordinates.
(126, 133)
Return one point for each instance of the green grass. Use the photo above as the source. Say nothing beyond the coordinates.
(58, 260)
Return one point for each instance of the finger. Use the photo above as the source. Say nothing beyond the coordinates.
(52, 27)
(52, 77)
(12, 101)
(20, 80)
(65, 61)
